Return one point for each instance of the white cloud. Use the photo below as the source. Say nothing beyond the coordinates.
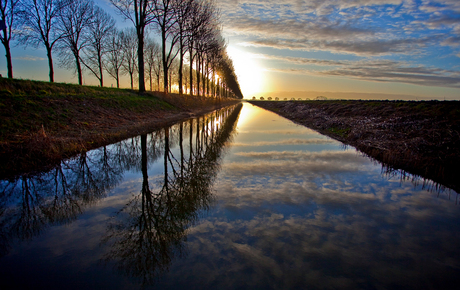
(30, 58)
(374, 70)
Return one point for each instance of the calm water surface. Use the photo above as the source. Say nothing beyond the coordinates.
(240, 198)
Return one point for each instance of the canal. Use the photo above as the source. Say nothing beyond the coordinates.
(237, 199)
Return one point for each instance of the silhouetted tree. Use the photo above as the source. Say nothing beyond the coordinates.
(75, 20)
(200, 15)
(140, 13)
(130, 52)
(115, 56)
(40, 19)
(152, 60)
(9, 13)
(165, 19)
(183, 14)
(100, 30)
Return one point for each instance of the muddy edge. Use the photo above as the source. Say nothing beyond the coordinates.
(421, 138)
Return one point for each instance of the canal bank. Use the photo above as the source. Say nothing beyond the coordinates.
(422, 138)
(240, 198)
(44, 122)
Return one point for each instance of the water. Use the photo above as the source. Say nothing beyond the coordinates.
(241, 198)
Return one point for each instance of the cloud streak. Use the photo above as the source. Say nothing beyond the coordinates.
(29, 58)
(424, 33)
(374, 70)
(287, 142)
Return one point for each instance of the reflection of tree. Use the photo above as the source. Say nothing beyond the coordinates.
(30, 203)
(148, 232)
(427, 184)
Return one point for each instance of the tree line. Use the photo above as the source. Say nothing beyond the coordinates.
(191, 53)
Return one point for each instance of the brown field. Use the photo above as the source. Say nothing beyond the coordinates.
(422, 138)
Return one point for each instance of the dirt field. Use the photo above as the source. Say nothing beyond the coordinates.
(422, 138)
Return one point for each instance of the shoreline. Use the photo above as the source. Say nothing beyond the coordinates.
(421, 138)
(43, 123)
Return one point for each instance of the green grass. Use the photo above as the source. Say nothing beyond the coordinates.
(42, 122)
(342, 132)
(27, 105)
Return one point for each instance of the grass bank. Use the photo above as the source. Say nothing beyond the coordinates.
(42, 122)
(422, 138)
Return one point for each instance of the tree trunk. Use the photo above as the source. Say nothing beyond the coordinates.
(132, 80)
(9, 63)
(140, 58)
(203, 75)
(207, 78)
(150, 78)
(191, 68)
(99, 60)
(79, 71)
(181, 61)
(165, 63)
(198, 75)
(213, 83)
(158, 81)
(50, 63)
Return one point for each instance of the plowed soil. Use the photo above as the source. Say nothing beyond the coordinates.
(422, 138)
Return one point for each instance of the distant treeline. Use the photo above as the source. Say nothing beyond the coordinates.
(191, 57)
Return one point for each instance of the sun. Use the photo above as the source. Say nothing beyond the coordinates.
(248, 70)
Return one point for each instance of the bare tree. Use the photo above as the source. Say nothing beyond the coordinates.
(183, 14)
(173, 73)
(8, 12)
(202, 45)
(74, 22)
(228, 77)
(201, 15)
(115, 56)
(130, 51)
(140, 12)
(39, 26)
(152, 58)
(100, 30)
(165, 18)
(157, 69)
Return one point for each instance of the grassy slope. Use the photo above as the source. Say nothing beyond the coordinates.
(419, 137)
(43, 122)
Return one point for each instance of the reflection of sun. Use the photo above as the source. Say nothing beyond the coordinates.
(247, 113)
(248, 71)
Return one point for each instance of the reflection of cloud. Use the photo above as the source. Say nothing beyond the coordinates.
(324, 247)
(279, 132)
(287, 142)
(286, 163)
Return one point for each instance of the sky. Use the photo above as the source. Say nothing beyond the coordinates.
(400, 47)
(377, 49)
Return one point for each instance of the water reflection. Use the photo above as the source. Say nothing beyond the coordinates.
(31, 203)
(298, 217)
(196, 205)
(149, 231)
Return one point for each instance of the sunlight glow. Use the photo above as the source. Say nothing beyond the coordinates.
(247, 114)
(248, 70)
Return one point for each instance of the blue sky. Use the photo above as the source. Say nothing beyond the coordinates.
(407, 48)
(385, 46)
